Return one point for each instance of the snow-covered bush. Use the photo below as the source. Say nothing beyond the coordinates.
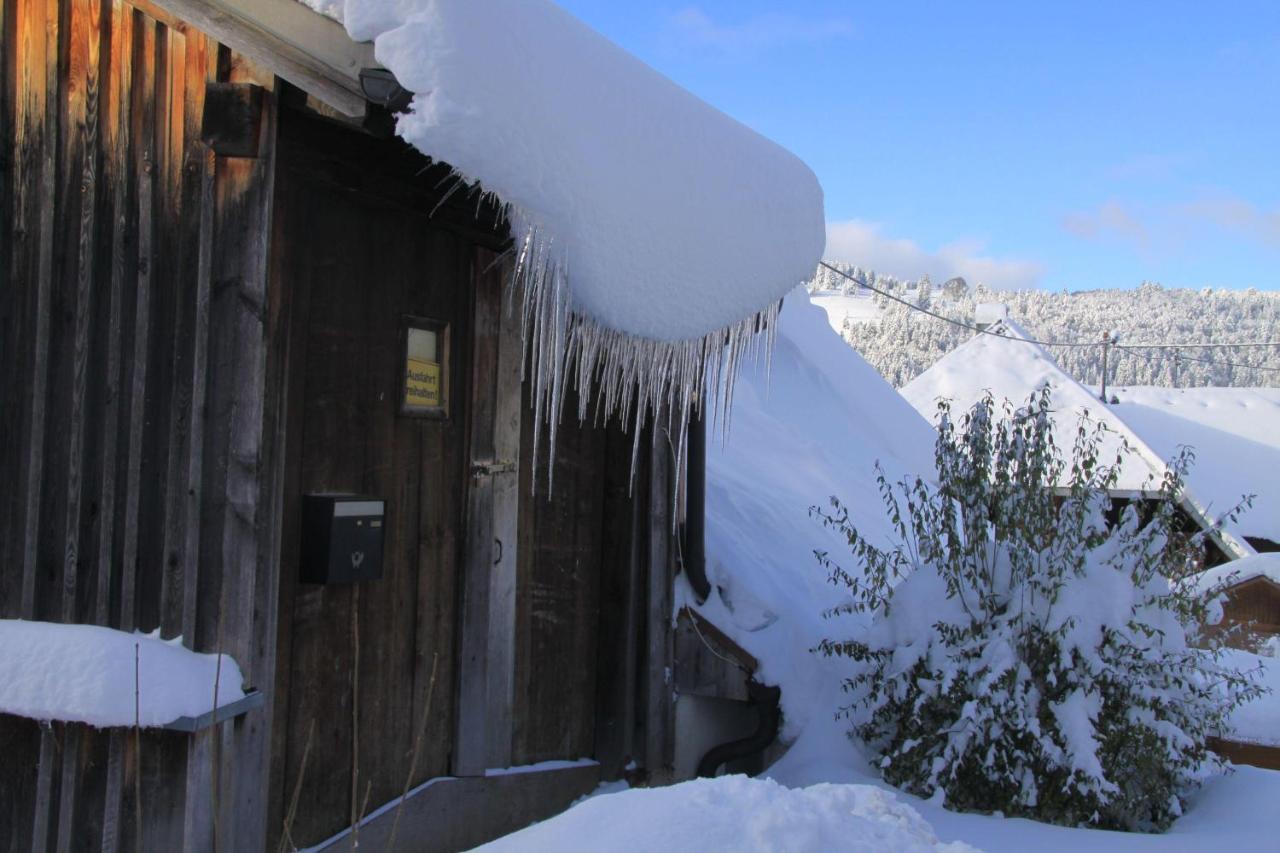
(1027, 655)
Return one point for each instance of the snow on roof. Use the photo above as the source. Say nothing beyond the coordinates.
(1008, 365)
(1237, 572)
(85, 673)
(734, 813)
(1235, 433)
(651, 228)
(812, 425)
(853, 307)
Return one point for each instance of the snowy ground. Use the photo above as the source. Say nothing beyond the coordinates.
(816, 427)
(1235, 811)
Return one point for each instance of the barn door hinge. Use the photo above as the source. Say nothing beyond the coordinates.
(488, 469)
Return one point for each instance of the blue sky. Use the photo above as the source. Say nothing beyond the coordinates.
(1075, 145)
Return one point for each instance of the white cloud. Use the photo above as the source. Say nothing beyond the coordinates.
(1171, 228)
(1111, 218)
(857, 242)
(758, 31)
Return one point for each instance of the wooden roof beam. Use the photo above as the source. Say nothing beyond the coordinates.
(297, 44)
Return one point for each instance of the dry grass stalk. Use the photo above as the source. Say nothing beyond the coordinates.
(137, 750)
(355, 716)
(417, 750)
(216, 735)
(286, 838)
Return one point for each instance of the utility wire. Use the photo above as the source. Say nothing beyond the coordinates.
(1153, 357)
(953, 321)
(1109, 341)
(1206, 346)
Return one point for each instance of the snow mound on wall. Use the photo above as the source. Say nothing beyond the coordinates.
(734, 813)
(1235, 433)
(85, 674)
(812, 425)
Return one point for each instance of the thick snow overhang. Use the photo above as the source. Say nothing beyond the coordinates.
(651, 230)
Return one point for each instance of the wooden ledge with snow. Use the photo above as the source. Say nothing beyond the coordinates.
(108, 678)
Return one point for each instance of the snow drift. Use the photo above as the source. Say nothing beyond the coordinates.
(734, 813)
(813, 424)
(650, 228)
(86, 674)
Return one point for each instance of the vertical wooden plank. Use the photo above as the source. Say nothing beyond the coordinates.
(12, 403)
(501, 653)
(244, 198)
(198, 206)
(659, 733)
(117, 175)
(203, 779)
(42, 816)
(176, 334)
(620, 595)
(37, 120)
(143, 112)
(470, 751)
(69, 781)
(290, 294)
(83, 102)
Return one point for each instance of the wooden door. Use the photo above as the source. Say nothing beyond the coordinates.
(356, 661)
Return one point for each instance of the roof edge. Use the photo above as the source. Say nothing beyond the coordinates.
(293, 41)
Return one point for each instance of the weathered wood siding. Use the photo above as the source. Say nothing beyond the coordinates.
(355, 252)
(593, 605)
(132, 427)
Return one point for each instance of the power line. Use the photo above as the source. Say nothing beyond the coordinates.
(1153, 357)
(951, 320)
(1108, 341)
(1207, 346)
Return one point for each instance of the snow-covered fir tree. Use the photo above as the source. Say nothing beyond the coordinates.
(902, 343)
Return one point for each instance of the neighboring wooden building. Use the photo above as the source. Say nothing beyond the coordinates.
(1251, 599)
(211, 283)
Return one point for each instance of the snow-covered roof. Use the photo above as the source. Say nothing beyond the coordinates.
(651, 229)
(94, 675)
(1235, 433)
(1011, 367)
(1237, 572)
(811, 425)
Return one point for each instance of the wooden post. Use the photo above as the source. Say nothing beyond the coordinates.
(1107, 341)
(501, 654)
(470, 751)
(659, 734)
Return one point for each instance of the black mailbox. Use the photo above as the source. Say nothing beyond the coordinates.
(341, 538)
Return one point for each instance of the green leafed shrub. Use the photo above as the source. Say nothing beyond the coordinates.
(1025, 654)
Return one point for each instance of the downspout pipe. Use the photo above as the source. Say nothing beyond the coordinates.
(767, 699)
(695, 523)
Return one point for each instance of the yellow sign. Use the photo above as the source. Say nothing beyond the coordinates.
(422, 384)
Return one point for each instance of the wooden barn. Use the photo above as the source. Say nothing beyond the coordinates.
(241, 320)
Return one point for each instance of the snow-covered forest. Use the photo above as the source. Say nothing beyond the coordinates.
(902, 343)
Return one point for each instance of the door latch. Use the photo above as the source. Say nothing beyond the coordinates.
(488, 469)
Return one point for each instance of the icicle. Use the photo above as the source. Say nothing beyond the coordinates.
(621, 370)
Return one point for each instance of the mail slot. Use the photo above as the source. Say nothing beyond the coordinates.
(342, 538)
